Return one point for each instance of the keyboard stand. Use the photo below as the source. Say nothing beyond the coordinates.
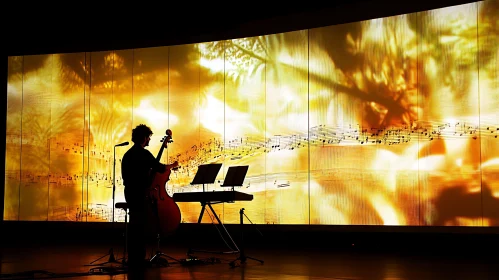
(203, 208)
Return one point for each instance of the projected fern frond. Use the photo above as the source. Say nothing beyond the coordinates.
(106, 126)
(239, 58)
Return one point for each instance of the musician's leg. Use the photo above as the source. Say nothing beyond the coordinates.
(136, 268)
(132, 239)
(137, 239)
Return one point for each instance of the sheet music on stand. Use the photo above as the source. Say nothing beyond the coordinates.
(206, 174)
(235, 176)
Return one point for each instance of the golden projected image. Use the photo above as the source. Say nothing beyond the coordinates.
(390, 121)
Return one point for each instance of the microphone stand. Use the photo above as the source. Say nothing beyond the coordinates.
(112, 259)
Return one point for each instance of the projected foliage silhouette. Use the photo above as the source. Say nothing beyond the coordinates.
(390, 121)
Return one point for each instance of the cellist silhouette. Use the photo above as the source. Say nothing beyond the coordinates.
(136, 167)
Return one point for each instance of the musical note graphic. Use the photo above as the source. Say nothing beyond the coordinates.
(242, 147)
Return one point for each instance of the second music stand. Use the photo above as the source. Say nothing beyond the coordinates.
(206, 174)
(235, 176)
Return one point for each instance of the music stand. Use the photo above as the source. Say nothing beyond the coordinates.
(206, 174)
(235, 176)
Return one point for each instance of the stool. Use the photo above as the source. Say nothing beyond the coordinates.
(124, 206)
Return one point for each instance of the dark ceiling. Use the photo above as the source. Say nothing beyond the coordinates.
(93, 27)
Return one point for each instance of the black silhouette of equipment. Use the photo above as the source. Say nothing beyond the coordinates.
(242, 255)
(207, 174)
(235, 176)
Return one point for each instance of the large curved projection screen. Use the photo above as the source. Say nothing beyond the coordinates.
(390, 121)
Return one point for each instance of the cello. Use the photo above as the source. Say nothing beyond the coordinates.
(165, 212)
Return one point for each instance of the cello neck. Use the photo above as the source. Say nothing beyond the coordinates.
(166, 139)
(160, 153)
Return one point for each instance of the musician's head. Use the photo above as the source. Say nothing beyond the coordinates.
(141, 135)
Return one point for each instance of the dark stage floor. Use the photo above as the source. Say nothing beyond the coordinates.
(70, 261)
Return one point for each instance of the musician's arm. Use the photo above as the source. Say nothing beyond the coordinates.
(156, 165)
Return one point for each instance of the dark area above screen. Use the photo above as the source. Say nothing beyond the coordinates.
(43, 30)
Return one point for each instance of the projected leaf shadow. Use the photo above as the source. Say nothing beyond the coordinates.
(373, 122)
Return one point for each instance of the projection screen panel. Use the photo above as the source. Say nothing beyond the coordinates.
(389, 121)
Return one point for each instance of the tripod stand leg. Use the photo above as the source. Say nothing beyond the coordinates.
(255, 259)
(243, 258)
(201, 213)
(109, 254)
(225, 229)
(242, 255)
(111, 259)
(160, 254)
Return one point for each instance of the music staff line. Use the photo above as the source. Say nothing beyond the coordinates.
(261, 183)
(62, 180)
(215, 150)
(323, 136)
(90, 212)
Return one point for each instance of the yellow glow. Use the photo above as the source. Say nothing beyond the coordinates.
(148, 111)
(389, 121)
(386, 211)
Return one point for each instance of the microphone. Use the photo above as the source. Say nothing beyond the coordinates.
(122, 144)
